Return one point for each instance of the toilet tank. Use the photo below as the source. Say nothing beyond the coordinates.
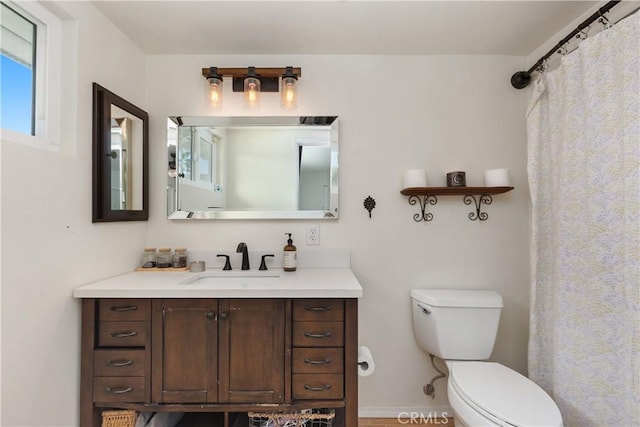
(456, 324)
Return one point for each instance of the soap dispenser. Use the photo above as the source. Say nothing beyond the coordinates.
(290, 255)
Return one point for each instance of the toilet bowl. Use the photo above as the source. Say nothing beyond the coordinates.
(460, 326)
(490, 394)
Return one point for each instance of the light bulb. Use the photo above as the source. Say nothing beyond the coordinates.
(289, 92)
(251, 92)
(215, 93)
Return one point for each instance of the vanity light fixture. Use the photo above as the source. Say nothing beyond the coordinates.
(252, 81)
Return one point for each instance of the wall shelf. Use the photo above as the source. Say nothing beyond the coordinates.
(479, 196)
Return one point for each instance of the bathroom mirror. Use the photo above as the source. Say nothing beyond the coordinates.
(120, 159)
(281, 167)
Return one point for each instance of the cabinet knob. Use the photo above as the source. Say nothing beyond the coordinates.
(121, 308)
(211, 315)
(317, 362)
(317, 388)
(316, 308)
(224, 316)
(124, 334)
(118, 390)
(317, 334)
(119, 363)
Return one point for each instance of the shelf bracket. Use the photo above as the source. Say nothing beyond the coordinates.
(423, 201)
(485, 199)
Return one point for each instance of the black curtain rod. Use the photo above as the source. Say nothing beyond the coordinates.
(521, 79)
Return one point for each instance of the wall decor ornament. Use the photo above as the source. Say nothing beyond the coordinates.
(369, 204)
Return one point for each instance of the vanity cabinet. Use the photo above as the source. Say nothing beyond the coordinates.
(224, 355)
(318, 349)
(227, 351)
(255, 352)
(185, 350)
(120, 359)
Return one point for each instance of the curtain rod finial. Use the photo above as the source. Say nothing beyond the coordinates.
(520, 80)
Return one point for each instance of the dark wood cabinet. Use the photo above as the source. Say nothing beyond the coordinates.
(318, 344)
(253, 350)
(226, 355)
(116, 358)
(185, 350)
(227, 351)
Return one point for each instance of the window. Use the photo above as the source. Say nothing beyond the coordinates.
(17, 67)
(197, 148)
(30, 74)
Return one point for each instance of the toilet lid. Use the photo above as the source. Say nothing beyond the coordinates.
(504, 394)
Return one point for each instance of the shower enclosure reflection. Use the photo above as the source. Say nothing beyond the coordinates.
(252, 167)
(126, 164)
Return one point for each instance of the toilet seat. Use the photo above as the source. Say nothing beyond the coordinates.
(502, 395)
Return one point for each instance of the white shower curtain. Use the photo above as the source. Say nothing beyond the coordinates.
(584, 163)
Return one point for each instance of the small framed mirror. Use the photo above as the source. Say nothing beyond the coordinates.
(120, 159)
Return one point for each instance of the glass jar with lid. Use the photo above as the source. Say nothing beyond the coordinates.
(165, 259)
(149, 259)
(180, 258)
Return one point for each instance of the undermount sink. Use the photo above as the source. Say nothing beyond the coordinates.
(234, 278)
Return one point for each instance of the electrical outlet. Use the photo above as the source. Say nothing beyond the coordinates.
(313, 234)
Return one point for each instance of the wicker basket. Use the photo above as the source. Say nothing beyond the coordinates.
(315, 418)
(122, 418)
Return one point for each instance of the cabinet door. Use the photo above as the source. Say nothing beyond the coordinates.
(185, 350)
(252, 357)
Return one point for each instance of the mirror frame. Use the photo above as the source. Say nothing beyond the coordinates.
(331, 121)
(103, 99)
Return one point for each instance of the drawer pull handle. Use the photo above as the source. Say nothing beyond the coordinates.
(120, 308)
(119, 363)
(318, 388)
(124, 334)
(317, 362)
(118, 390)
(317, 334)
(313, 308)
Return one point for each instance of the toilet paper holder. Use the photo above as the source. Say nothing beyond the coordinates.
(366, 364)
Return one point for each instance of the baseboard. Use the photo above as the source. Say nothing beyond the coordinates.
(443, 411)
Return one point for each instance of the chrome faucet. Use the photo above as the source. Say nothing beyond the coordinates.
(242, 247)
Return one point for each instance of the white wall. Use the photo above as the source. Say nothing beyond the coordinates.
(49, 245)
(261, 164)
(444, 113)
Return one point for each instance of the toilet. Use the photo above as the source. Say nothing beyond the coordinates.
(460, 327)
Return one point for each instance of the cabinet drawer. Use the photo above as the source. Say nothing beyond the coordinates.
(318, 310)
(317, 386)
(318, 334)
(118, 389)
(318, 360)
(121, 334)
(123, 309)
(119, 363)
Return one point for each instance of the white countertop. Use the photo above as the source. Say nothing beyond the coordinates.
(303, 283)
